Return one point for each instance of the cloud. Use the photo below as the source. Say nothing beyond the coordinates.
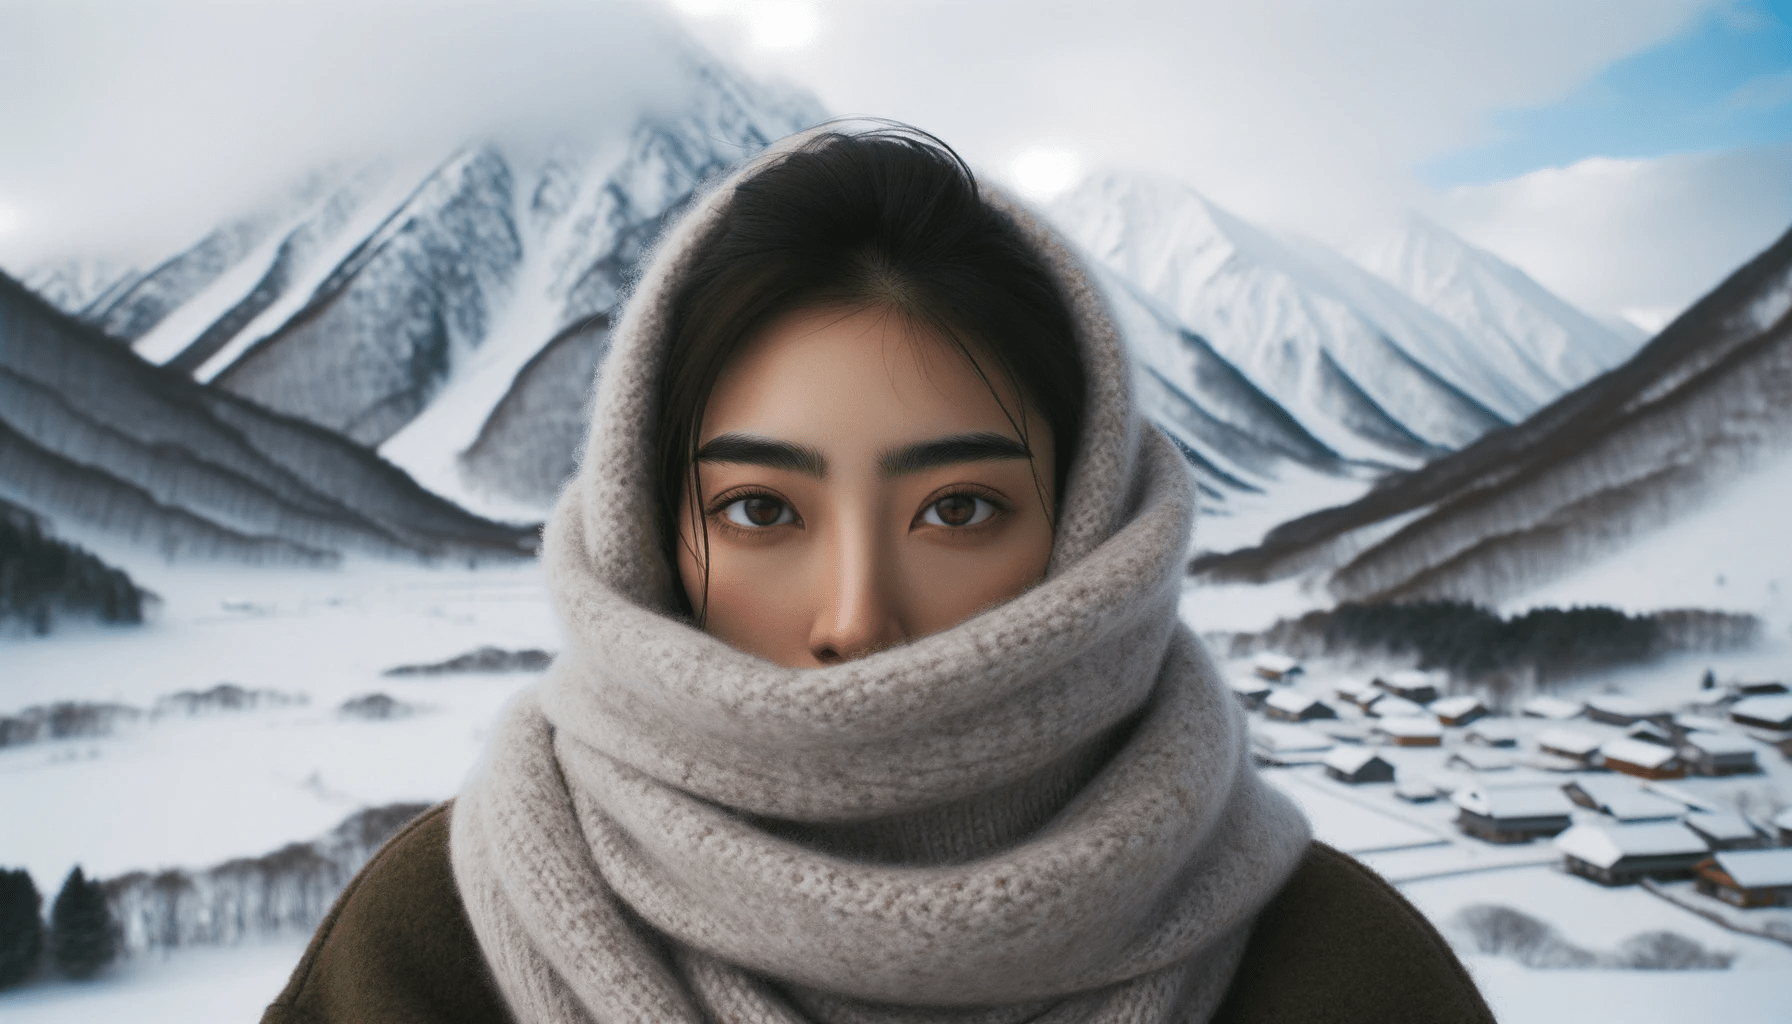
(132, 126)
(1308, 112)
(1764, 93)
(1623, 236)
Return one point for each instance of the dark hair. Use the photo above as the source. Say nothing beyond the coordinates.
(890, 218)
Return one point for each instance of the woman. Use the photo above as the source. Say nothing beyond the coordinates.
(874, 705)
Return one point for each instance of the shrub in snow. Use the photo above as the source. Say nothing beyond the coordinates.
(375, 707)
(64, 720)
(42, 578)
(1670, 951)
(223, 697)
(484, 659)
(21, 926)
(82, 936)
(286, 891)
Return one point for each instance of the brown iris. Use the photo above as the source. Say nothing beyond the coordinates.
(956, 509)
(762, 511)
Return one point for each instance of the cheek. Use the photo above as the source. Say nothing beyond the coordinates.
(754, 599)
(944, 586)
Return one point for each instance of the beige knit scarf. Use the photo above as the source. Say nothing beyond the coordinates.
(1043, 814)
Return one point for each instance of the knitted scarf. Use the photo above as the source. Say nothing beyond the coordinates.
(1043, 814)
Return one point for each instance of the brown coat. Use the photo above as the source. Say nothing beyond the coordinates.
(1337, 945)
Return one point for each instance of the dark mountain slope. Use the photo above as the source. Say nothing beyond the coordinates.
(1700, 405)
(92, 435)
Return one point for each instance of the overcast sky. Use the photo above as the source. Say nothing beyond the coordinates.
(1554, 132)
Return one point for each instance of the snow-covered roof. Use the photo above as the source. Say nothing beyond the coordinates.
(1390, 706)
(1783, 820)
(1480, 759)
(1493, 730)
(1628, 707)
(1284, 738)
(1409, 726)
(1569, 741)
(1249, 686)
(1552, 707)
(1350, 760)
(1757, 869)
(1604, 845)
(1723, 826)
(1280, 664)
(1415, 788)
(1719, 743)
(1700, 723)
(1513, 802)
(1412, 677)
(1643, 755)
(1456, 707)
(1625, 800)
(1766, 709)
(1356, 691)
(1292, 701)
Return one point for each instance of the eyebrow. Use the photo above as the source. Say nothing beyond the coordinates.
(950, 451)
(754, 450)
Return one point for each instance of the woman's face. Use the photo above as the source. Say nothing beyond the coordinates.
(861, 486)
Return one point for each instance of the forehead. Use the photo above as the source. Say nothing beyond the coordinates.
(840, 379)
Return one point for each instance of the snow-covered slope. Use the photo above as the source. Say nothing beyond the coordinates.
(111, 448)
(1366, 371)
(1680, 429)
(1537, 344)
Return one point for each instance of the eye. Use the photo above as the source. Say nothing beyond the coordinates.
(755, 512)
(959, 510)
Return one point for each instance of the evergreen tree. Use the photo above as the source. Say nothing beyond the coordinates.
(81, 933)
(21, 926)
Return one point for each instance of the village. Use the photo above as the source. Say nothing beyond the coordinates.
(1687, 799)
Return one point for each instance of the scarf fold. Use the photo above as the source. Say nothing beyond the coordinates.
(1044, 814)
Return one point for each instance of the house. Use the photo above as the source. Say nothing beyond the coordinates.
(1615, 709)
(1386, 705)
(1554, 708)
(1275, 743)
(1782, 827)
(1251, 692)
(1621, 854)
(1651, 732)
(1357, 692)
(1725, 830)
(1277, 668)
(1622, 800)
(1357, 765)
(1458, 710)
(1643, 760)
(1479, 759)
(1491, 732)
(1415, 790)
(1770, 713)
(1576, 746)
(1411, 684)
(1719, 753)
(1761, 688)
(1410, 731)
(1748, 878)
(1690, 722)
(1517, 814)
(1290, 706)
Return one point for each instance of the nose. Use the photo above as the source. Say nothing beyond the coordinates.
(856, 615)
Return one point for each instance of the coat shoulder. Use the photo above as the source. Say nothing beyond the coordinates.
(1338, 944)
(397, 945)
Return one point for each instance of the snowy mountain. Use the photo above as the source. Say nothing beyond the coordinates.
(1696, 428)
(110, 448)
(1538, 344)
(1371, 375)
(429, 310)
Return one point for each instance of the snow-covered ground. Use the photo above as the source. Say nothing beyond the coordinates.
(193, 791)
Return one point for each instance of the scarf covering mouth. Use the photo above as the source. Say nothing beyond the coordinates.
(1043, 814)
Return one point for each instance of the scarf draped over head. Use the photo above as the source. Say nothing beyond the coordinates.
(1042, 814)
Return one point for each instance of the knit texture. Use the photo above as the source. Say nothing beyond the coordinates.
(1042, 814)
